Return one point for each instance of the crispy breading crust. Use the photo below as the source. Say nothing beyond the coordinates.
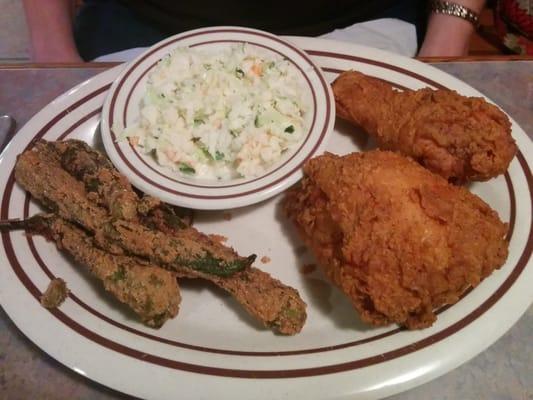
(80, 184)
(38, 171)
(150, 291)
(55, 293)
(397, 239)
(460, 138)
(274, 304)
(267, 299)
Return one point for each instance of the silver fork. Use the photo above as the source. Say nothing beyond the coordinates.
(8, 125)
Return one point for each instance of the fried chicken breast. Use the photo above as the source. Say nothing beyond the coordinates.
(398, 240)
(460, 138)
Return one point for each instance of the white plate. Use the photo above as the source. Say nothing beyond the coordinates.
(121, 109)
(213, 349)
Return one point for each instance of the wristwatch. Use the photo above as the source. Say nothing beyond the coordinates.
(456, 10)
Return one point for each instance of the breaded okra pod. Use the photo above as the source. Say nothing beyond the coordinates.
(150, 291)
(105, 184)
(99, 176)
(41, 175)
(271, 302)
(267, 299)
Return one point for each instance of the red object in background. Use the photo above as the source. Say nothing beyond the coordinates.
(513, 21)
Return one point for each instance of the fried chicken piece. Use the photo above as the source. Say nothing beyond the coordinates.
(460, 138)
(398, 240)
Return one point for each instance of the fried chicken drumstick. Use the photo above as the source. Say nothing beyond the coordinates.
(398, 240)
(460, 138)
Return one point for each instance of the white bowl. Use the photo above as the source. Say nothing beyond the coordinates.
(121, 109)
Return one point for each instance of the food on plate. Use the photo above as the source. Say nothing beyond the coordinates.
(150, 291)
(460, 138)
(39, 173)
(221, 114)
(272, 303)
(268, 300)
(55, 294)
(109, 188)
(398, 240)
(308, 269)
(80, 186)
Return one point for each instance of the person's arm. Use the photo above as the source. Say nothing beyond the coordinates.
(448, 35)
(50, 28)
